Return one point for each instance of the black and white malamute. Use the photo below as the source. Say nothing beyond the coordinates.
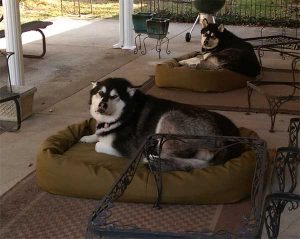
(126, 117)
(225, 50)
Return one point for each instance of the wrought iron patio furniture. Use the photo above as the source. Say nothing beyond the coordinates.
(100, 224)
(33, 26)
(281, 43)
(285, 173)
(275, 101)
(7, 94)
(286, 46)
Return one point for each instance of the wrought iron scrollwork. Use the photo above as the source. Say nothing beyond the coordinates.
(275, 203)
(144, 51)
(286, 160)
(99, 216)
(258, 147)
(138, 43)
(275, 101)
(274, 105)
(284, 174)
(99, 223)
(259, 180)
(151, 149)
(157, 46)
(294, 129)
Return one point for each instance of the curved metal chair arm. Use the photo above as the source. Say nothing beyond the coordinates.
(273, 207)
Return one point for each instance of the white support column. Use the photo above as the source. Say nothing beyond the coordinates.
(121, 25)
(126, 33)
(128, 26)
(13, 40)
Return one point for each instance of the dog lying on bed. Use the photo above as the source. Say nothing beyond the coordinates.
(224, 50)
(126, 117)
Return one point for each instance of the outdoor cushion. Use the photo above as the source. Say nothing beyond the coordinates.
(68, 167)
(172, 74)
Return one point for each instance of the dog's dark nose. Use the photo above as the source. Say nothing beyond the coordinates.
(102, 107)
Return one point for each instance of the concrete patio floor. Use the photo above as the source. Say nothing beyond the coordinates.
(80, 51)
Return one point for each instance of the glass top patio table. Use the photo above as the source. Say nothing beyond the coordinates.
(107, 221)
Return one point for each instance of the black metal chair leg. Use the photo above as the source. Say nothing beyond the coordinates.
(18, 109)
(44, 46)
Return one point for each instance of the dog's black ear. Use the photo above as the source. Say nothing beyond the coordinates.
(221, 28)
(204, 23)
(131, 91)
(94, 84)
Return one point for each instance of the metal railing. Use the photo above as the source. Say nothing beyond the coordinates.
(254, 12)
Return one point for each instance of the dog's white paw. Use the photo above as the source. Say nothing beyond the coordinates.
(144, 160)
(103, 148)
(89, 139)
(98, 147)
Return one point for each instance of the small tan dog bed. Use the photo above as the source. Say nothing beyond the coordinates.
(68, 167)
(182, 73)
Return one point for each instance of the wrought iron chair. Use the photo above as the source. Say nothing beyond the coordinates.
(7, 94)
(285, 164)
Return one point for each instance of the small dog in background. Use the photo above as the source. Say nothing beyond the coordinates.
(126, 117)
(223, 49)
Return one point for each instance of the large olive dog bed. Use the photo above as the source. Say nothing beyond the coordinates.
(171, 74)
(67, 167)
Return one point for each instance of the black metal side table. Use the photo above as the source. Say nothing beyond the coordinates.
(7, 94)
(101, 225)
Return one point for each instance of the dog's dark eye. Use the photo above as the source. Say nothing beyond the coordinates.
(114, 97)
(101, 93)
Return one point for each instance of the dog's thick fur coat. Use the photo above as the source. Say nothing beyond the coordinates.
(126, 117)
(225, 50)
